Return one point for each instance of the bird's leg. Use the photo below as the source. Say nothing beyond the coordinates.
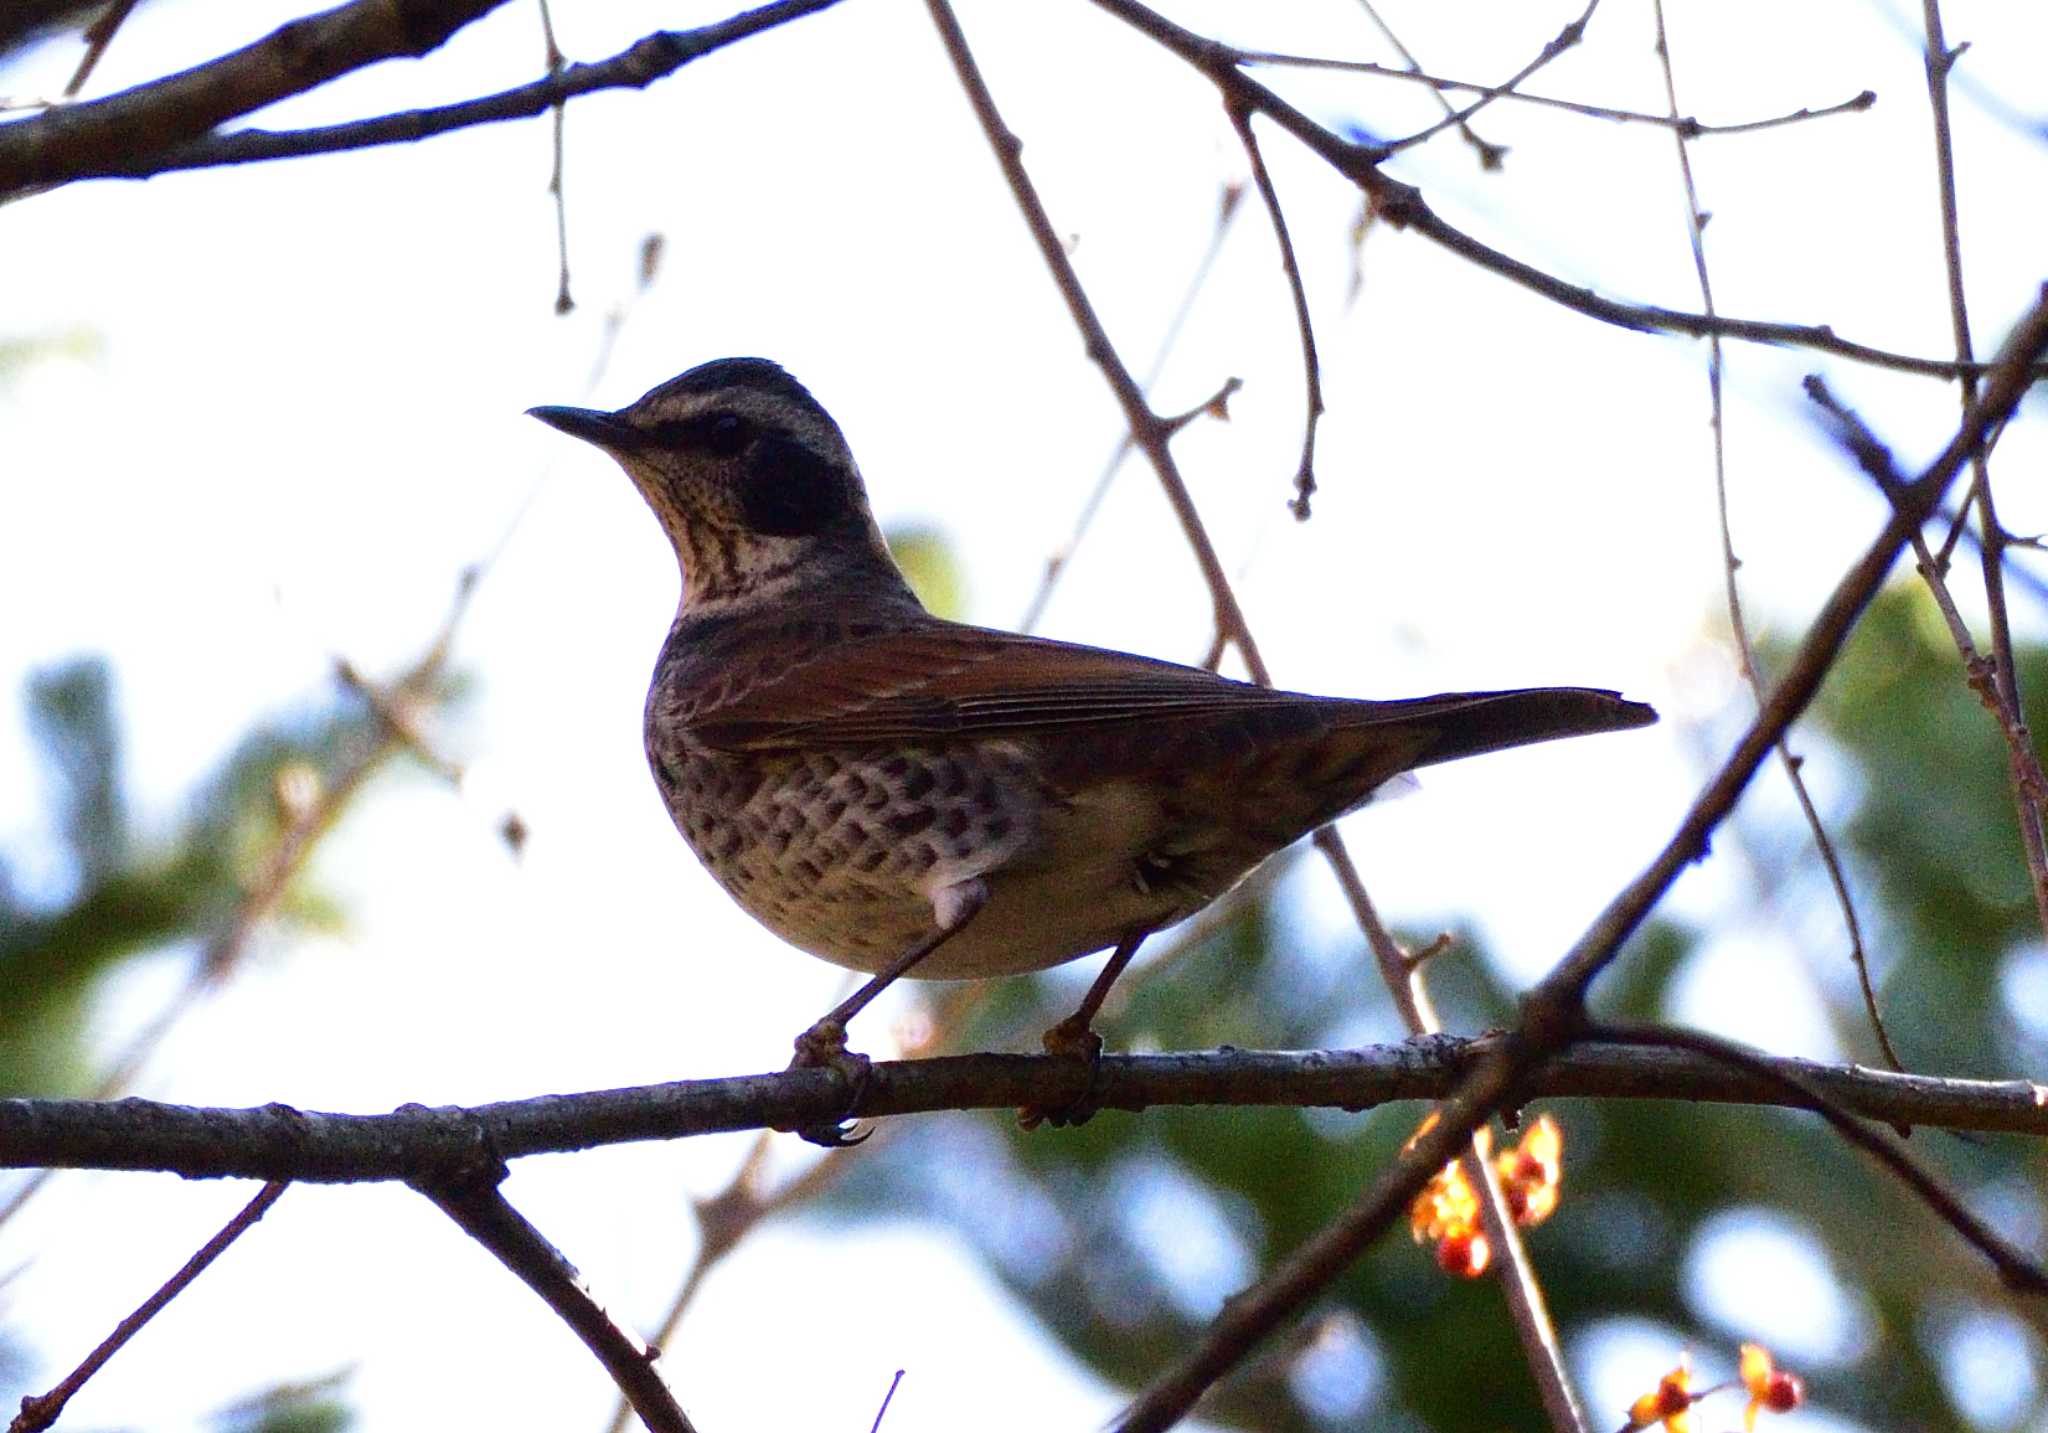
(1075, 1035)
(823, 1045)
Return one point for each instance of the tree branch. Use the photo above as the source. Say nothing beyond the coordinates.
(419, 1144)
(651, 58)
(1691, 126)
(1403, 206)
(472, 1200)
(1738, 622)
(75, 140)
(41, 1411)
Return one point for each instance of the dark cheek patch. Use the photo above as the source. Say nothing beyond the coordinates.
(789, 491)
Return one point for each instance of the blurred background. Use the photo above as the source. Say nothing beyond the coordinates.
(321, 779)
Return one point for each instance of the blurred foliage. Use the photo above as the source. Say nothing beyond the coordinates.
(19, 353)
(313, 1407)
(931, 567)
(118, 891)
(115, 892)
(1123, 1236)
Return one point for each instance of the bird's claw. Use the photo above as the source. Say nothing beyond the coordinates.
(1072, 1036)
(823, 1047)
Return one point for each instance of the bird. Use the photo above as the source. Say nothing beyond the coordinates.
(905, 795)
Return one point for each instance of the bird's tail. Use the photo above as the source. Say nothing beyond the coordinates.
(1460, 724)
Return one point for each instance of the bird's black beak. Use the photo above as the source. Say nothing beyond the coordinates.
(607, 430)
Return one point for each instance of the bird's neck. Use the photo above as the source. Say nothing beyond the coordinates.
(739, 581)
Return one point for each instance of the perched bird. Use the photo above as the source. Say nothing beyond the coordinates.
(901, 794)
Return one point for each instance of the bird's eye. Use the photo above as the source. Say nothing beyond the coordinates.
(724, 434)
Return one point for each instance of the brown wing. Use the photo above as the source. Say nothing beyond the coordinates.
(948, 681)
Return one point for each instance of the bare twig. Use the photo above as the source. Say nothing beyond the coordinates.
(472, 1200)
(2028, 790)
(1311, 366)
(556, 61)
(98, 36)
(1871, 454)
(2020, 1273)
(1563, 40)
(40, 1412)
(887, 1399)
(1404, 206)
(1490, 154)
(1738, 624)
(1688, 125)
(1056, 563)
(1150, 432)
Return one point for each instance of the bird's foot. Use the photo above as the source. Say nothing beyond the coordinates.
(823, 1047)
(1073, 1037)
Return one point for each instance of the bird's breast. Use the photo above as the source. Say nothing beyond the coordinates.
(840, 851)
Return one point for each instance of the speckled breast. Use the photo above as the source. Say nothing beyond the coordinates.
(838, 852)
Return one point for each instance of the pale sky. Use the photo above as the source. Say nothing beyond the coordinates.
(301, 415)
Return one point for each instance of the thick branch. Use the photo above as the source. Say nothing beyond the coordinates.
(475, 1204)
(63, 144)
(420, 1144)
(651, 58)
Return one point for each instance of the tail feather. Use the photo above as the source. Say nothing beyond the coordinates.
(1461, 724)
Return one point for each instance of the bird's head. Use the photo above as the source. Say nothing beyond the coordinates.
(752, 481)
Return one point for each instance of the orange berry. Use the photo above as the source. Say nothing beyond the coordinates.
(1464, 1254)
(1785, 1392)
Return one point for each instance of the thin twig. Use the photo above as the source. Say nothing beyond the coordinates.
(1738, 624)
(1404, 206)
(2019, 1273)
(1056, 562)
(887, 1399)
(1490, 154)
(1564, 40)
(1311, 366)
(2028, 790)
(40, 1412)
(1688, 125)
(1979, 671)
(98, 36)
(474, 1203)
(556, 62)
(1148, 429)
